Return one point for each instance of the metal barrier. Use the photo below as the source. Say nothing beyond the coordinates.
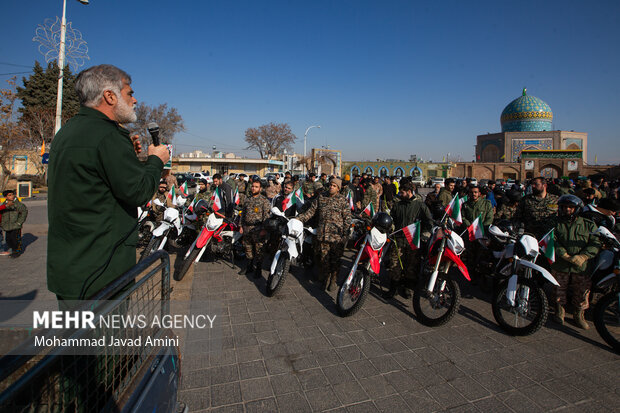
(53, 381)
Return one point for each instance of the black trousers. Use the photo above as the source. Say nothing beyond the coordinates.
(14, 240)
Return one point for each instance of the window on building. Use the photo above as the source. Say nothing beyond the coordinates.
(195, 167)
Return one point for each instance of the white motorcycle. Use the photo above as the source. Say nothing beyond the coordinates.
(290, 249)
(607, 309)
(519, 303)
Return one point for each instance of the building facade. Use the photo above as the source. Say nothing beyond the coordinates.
(421, 170)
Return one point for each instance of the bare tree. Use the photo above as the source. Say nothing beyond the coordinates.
(169, 120)
(11, 131)
(271, 139)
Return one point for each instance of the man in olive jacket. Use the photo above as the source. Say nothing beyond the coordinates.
(475, 206)
(574, 246)
(96, 183)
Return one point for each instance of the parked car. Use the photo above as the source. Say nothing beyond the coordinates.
(186, 177)
(201, 175)
(473, 181)
(438, 180)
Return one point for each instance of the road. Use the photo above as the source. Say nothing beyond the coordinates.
(293, 353)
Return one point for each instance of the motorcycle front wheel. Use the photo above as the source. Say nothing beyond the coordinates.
(607, 320)
(151, 247)
(528, 314)
(186, 264)
(353, 293)
(276, 280)
(437, 307)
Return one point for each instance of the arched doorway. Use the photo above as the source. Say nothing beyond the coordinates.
(399, 172)
(355, 170)
(550, 171)
(383, 172)
(369, 171)
(416, 173)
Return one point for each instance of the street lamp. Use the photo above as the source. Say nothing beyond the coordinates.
(61, 63)
(305, 136)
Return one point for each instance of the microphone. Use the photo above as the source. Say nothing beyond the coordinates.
(154, 131)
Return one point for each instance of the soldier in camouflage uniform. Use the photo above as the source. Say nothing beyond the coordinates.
(509, 208)
(334, 220)
(535, 210)
(273, 188)
(403, 259)
(242, 187)
(369, 194)
(311, 186)
(574, 246)
(204, 193)
(161, 196)
(256, 210)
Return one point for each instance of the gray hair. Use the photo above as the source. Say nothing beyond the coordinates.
(92, 82)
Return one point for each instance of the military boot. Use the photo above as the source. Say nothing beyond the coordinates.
(389, 294)
(249, 268)
(558, 317)
(579, 320)
(331, 283)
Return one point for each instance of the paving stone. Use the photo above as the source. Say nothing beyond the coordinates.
(377, 386)
(469, 388)
(446, 395)
(392, 404)
(223, 394)
(260, 406)
(293, 403)
(311, 379)
(252, 370)
(362, 368)
(420, 401)
(350, 392)
(338, 373)
(233, 408)
(195, 399)
(322, 398)
(223, 374)
(385, 364)
(253, 389)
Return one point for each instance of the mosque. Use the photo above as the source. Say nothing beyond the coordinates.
(528, 146)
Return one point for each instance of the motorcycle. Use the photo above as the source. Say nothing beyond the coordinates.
(436, 297)
(367, 265)
(607, 309)
(219, 234)
(291, 248)
(146, 226)
(519, 303)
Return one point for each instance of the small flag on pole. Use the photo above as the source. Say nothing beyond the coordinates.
(412, 233)
(547, 246)
(370, 210)
(236, 196)
(184, 190)
(288, 201)
(217, 203)
(299, 196)
(453, 210)
(172, 194)
(350, 199)
(476, 230)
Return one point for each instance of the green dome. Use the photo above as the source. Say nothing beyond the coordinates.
(526, 113)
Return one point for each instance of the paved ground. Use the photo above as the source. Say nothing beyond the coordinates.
(292, 353)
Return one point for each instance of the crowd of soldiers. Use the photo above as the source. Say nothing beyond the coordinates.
(329, 203)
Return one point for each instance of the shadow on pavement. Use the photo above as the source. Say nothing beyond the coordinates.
(11, 310)
(28, 239)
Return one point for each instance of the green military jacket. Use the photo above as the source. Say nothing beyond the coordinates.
(96, 183)
(256, 210)
(472, 209)
(534, 212)
(445, 197)
(408, 211)
(370, 195)
(13, 217)
(574, 238)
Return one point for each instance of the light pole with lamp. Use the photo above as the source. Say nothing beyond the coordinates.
(305, 136)
(61, 64)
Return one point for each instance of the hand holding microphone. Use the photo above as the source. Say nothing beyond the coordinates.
(156, 149)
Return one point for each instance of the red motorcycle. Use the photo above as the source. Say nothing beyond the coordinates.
(436, 298)
(367, 265)
(220, 235)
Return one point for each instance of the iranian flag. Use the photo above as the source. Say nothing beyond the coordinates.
(370, 210)
(172, 194)
(217, 202)
(183, 189)
(191, 205)
(288, 201)
(547, 246)
(350, 199)
(299, 196)
(476, 230)
(236, 196)
(453, 210)
(412, 233)
(463, 200)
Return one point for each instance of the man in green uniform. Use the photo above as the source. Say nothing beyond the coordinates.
(446, 193)
(574, 246)
(477, 205)
(256, 210)
(12, 218)
(403, 259)
(535, 210)
(96, 183)
(332, 231)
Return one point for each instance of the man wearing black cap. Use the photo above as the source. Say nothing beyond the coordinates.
(13, 215)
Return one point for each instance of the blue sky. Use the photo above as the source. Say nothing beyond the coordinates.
(384, 79)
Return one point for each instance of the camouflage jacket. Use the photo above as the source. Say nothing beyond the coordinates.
(506, 212)
(272, 190)
(256, 210)
(310, 188)
(158, 211)
(334, 217)
(370, 196)
(444, 197)
(472, 209)
(534, 212)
